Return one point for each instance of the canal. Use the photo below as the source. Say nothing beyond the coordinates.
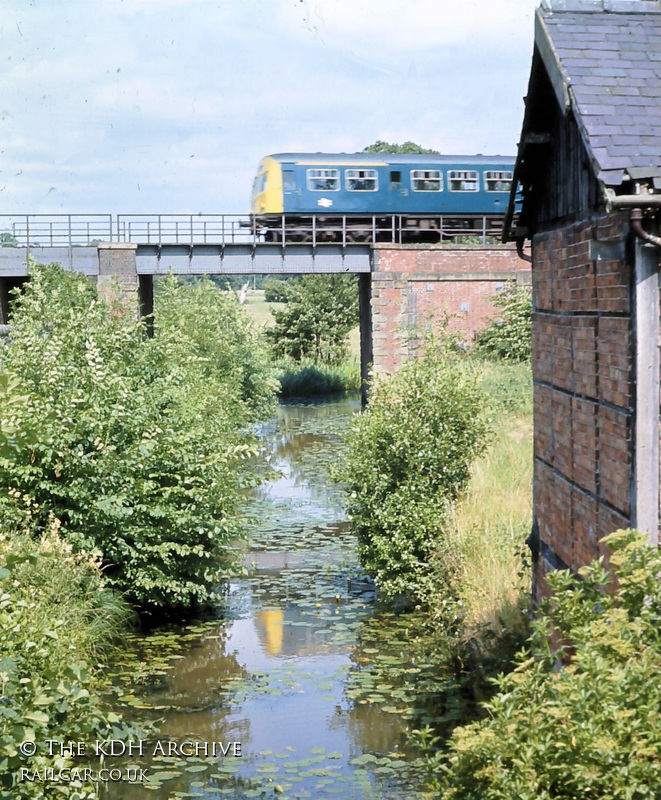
(275, 674)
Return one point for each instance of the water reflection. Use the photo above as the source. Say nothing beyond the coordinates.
(272, 673)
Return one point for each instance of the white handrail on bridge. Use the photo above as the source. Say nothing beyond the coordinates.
(54, 230)
(186, 229)
(72, 230)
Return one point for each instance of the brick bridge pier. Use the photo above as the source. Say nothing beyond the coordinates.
(413, 284)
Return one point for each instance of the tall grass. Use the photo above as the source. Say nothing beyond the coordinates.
(491, 520)
(309, 379)
(63, 591)
(489, 528)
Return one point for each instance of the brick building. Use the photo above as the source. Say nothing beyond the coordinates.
(589, 169)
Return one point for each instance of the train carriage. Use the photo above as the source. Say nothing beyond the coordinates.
(371, 189)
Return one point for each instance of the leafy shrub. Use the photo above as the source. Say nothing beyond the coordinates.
(408, 456)
(314, 380)
(321, 310)
(276, 291)
(211, 327)
(509, 338)
(591, 728)
(140, 440)
(57, 618)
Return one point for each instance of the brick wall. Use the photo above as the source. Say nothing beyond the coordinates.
(118, 278)
(413, 284)
(583, 373)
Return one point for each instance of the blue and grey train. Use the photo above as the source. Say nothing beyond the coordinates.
(372, 189)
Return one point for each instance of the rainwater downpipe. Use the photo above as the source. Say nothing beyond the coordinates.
(645, 510)
(520, 253)
(636, 220)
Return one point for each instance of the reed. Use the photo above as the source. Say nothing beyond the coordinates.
(309, 379)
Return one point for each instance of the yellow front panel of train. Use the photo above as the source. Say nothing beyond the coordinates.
(267, 191)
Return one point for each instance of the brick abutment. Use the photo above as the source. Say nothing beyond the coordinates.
(417, 287)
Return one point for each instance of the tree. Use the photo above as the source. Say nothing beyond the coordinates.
(407, 147)
(276, 290)
(320, 312)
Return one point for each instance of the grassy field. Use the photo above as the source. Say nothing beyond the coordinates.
(258, 309)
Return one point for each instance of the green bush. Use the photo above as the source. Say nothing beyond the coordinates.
(276, 291)
(58, 618)
(140, 440)
(589, 729)
(212, 329)
(408, 456)
(509, 337)
(315, 324)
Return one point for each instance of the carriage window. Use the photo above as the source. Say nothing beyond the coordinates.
(426, 180)
(361, 180)
(288, 180)
(498, 180)
(463, 180)
(323, 180)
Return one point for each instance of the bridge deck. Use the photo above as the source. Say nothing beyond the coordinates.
(245, 259)
(223, 243)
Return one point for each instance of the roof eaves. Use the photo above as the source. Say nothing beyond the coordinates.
(551, 61)
(599, 6)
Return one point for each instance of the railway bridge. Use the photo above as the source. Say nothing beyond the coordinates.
(405, 274)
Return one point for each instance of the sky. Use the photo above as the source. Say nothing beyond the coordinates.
(167, 106)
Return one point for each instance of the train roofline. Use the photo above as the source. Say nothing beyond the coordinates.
(389, 158)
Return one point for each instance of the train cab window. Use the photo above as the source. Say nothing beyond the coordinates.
(463, 180)
(395, 179)
(361, 180)
(259, 184)
(497, 180)
(426, 180)
(323, 180)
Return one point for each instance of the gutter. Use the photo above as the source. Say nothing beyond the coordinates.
(519, 250)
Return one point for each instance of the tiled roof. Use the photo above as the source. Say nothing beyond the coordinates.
(604, 59)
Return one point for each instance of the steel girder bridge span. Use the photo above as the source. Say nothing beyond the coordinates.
(222, 243)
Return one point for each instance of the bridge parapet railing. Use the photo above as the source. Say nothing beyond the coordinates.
(68, 230)
(55, 230)
(187, 229)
